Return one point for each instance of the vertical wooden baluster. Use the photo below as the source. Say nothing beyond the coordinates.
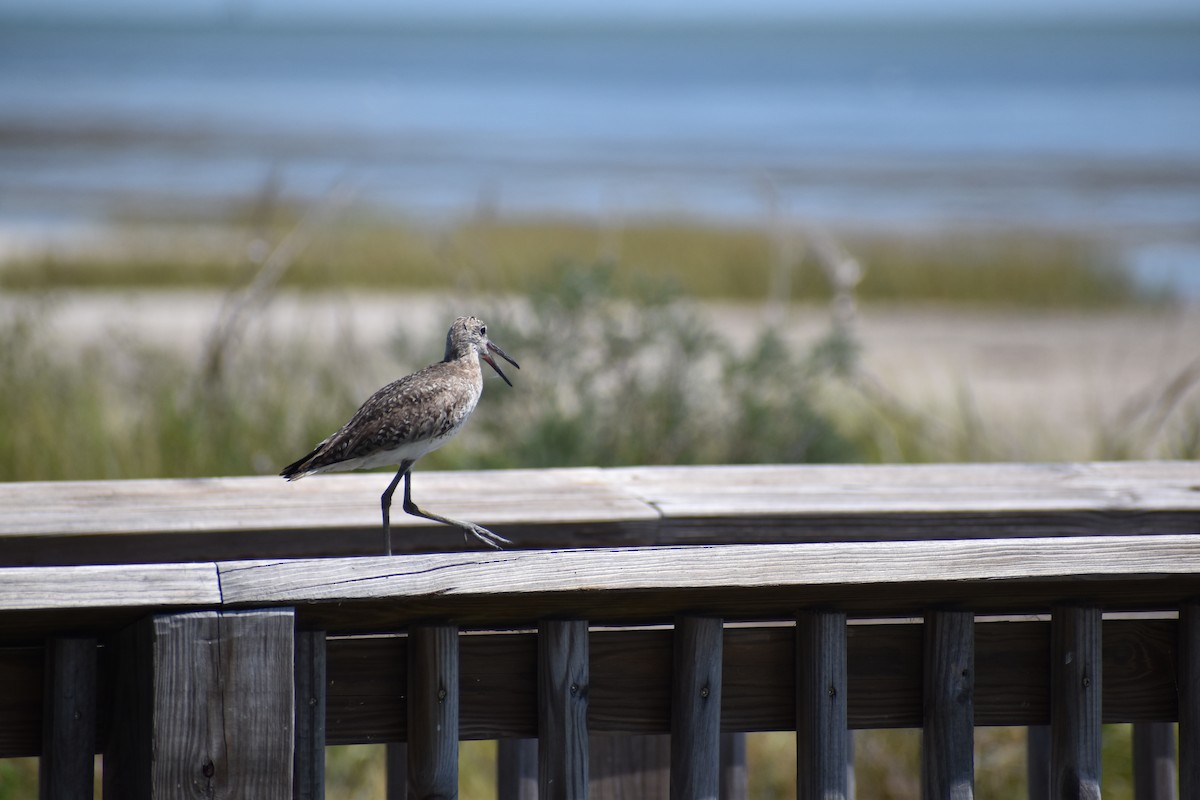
(948, 738)
(67, 764)
(1154, 761)
(733, 767)
(395, 761)
(822, 735)
(1075, 695)
(309, 780)
(1037, 762)
(433, 712)
(1189, 700)
(563, 676)
(696, 709)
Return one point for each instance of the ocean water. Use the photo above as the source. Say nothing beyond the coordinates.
(1089, 128)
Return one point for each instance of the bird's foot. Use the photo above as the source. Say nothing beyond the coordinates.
(484, 535)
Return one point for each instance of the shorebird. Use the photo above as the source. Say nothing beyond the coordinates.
(411, 417)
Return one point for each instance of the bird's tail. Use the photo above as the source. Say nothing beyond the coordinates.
(298, 469)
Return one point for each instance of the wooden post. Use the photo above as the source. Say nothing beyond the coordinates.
(433, 712)
(563, 677)
(1075, 694)
(128, 753)
(395, 761)
(517, 769)
(1189, 700)
(851, 781)
(209, 708)
(1037, 762)
(68, 719)
(733, 766)
(309, 776)
(1154, 761)
(696, 709)
(948, 737)
(822, 735)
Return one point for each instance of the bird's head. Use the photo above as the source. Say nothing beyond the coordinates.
(470, 334)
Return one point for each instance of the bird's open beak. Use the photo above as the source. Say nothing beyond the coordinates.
(496, 349)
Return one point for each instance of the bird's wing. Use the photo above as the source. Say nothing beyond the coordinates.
(415, 408)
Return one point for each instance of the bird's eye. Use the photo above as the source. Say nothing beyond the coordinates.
(483, 330)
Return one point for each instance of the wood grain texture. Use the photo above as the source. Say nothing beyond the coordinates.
(84, 522)
(1189, 699)
(696, 709)
(631, 683)
(203, 706)
(433, 712)
(66, 767)
(116, 586)
(1075, 683)
(564, 686)
(308, 782)
(862, 502)
(822, 730)
(37, 602)
(1137, 671)
(948, 738)
(653, 584)
(224, 704)
(68, 522)
(366, 690)
(626, 585)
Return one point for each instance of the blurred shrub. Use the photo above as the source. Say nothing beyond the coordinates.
(620, 373)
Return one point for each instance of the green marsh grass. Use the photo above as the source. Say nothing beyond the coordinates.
(128, 410)
(704, 260)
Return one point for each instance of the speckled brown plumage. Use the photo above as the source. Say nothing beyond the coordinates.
(419, 410)
(410, 417)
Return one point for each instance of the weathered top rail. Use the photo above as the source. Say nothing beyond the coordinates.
(881, 540)
(218, 519)
(625, 585)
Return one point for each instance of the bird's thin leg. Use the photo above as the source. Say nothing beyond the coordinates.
(478, 531)
(386, 502)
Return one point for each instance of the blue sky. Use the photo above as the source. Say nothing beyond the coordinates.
(604, 9)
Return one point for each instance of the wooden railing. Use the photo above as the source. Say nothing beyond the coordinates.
(219, 634)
